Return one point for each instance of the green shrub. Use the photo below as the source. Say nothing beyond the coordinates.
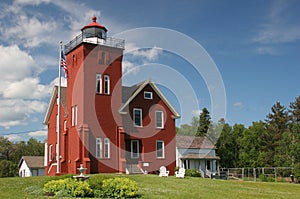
(192, 173)
(119, 188)
(265, 178)
(34, 190)
(68, 186)
(95, 181)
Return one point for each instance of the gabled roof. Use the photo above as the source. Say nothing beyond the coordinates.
(33, 161)
(53, 101)
(193, 142)
(129, 93)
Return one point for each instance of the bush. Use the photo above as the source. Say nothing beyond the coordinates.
(192, 173)
(265, 178)
(34, 190)
(95, 181)
(68, 186)
(119, 188)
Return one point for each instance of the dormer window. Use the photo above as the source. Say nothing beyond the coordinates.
(148, 95)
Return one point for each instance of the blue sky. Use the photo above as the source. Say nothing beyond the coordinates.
(254, 45)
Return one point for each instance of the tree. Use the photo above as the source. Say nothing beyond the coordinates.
(6, 147)
(7, 169)
(204, 123)
(224, 147)
(250, 154)
(277, 123)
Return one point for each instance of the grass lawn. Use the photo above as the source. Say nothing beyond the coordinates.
(152, 186)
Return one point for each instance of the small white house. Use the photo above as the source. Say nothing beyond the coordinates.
(196, 153)
(31, 166)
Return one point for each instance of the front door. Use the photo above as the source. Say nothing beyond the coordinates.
(133, 151)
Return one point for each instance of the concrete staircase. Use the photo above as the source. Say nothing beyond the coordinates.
(133, 169)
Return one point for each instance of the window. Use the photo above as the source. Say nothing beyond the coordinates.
(50, 153)
(148, 95)
(135, 149)
(160, 149)
(159, 123)
(57, 124)
(137, 117)
(98, 148)
(98, 83)
(74, 115)
(65, 125)
(106, 148)
(101, 58)
(106, 84)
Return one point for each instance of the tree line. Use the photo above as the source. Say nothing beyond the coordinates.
(12, 152)
(274, 142)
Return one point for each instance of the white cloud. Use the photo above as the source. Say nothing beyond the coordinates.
(266, 51)
(15, 63)
(30, 2)
(239, 105)
(279, 26)
(196, 112)
(38, 133)
(32, 32)
(18, 112)
(150, 54)
(28, 88)
(13, 137)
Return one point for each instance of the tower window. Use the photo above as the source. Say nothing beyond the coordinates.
(106, 84)
(106, 148)
(98, 83)
(74, 115)
(101, 58)
(50, 153)
(98, 148)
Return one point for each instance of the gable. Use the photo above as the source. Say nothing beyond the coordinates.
(32, 161)
(193, 142)
(53, 101)
(130, 93)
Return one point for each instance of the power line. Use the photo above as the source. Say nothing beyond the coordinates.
(20, 133)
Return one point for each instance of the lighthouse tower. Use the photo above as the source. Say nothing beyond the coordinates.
(91, 102)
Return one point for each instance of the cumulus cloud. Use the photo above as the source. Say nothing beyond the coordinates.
(15, 112)
(15, 63)
(21, 93)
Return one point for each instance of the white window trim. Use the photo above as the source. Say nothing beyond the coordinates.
(162, 120)
(148, 92)
(65, 125)
(99, 78)
(74, 115)
(133, 155)
(50, 153)
(98, 144)
(163, 149)
(106, 80)
(141, 117)
(108, 148)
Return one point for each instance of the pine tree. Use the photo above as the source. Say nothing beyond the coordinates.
(204, 122)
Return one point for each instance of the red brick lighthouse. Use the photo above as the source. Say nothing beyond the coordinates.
(105, 126)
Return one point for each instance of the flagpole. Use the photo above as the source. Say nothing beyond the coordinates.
(58, 110)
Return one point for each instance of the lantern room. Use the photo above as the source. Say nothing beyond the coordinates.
(94, 30)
